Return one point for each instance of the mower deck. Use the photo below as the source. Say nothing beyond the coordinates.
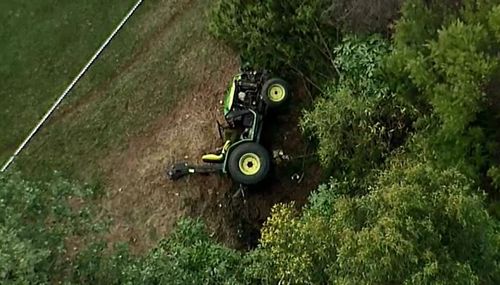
(180, 170)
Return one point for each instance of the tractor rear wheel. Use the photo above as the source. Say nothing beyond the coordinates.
(249, 163)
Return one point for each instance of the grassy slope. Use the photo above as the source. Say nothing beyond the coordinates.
(142, 74)
(43, 45)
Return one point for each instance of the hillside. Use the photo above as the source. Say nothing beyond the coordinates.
(386, 160)
(153, 99)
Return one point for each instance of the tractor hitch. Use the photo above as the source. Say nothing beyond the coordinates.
(180, 170)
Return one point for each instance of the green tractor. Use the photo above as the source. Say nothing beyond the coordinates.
(252, 95)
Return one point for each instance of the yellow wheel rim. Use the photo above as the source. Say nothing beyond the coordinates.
(276, 93)
(249, 164)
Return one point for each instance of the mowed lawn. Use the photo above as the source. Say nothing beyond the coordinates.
(43, 44)
(157, 59)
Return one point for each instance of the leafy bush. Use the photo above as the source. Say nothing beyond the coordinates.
(96, 264)
(20, 260)
(35, 219)
(187, 256)
(359, 120)
(443, 59)
(277, 34)
(447, 56)
(452, 75)
(494, 21)
(417, 225)
(494, 174)
(423, 220)
(291, 250)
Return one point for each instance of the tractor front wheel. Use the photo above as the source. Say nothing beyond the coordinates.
(275, 92)
(249, 163)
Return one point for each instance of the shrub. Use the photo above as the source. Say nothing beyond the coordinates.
(494, 174)
(291, 250)
(417, 225)
(458, 58)
(187, 256)
(359, 121)
(443, 60)
(35, 219)
(494, 21)
(20, 261)
(277, 34)
(97, 264)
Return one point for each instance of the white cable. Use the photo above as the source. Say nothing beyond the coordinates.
(70, 87)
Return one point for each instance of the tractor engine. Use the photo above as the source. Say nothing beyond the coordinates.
(244, 95)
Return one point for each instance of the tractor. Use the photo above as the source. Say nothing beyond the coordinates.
(251, 96)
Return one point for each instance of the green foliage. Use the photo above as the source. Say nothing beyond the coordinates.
(494, 21)
(276, 34)
(417, 225)
(292, 249)
(458, 57)
(95, 264)
(494, 174)
(423, 220)
(443, 59)
(359, 120)
(35, 219)
(420, 22)
(20, 260)
(187, 256)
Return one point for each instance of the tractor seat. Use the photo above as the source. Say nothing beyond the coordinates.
(217, 158)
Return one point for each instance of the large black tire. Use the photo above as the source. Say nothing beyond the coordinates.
(276, 92)
(249, 163)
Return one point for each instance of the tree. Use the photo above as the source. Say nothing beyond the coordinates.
(187, 256)
(358, 121)
(35, 218)
(443, 63)
(417, 225)
(276, 34)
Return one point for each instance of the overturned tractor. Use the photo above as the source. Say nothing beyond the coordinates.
(249, 99)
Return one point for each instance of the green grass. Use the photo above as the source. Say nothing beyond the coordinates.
(43, 45)
(156, 60)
